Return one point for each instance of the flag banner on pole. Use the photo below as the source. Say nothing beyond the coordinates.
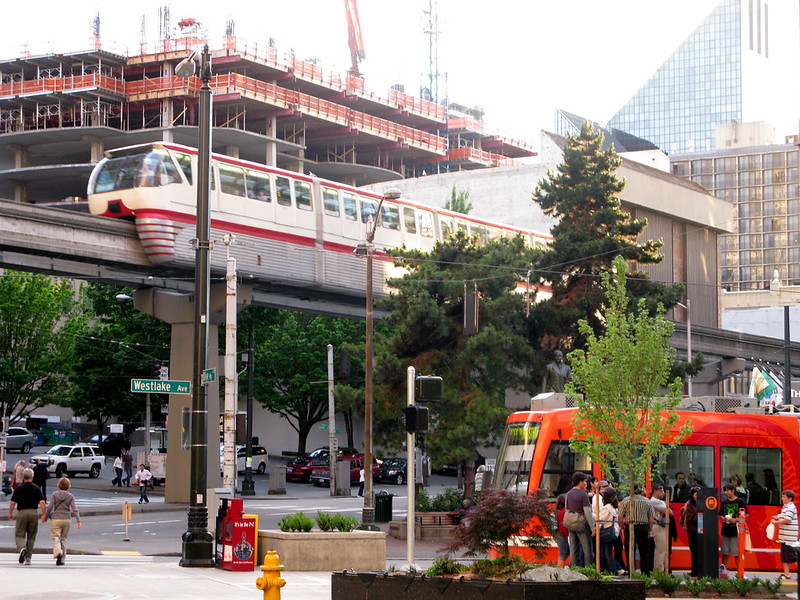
(764, 388)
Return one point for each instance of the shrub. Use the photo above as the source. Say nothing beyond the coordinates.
(743, 586)
(771, 586)
(666, 583)
(500, 515)
(325, 521)
(342, 523)
(449, 499)
(423, 501)
(696, 586)
(512, 566)
(722, 586)
(444, 565)
(296, 522)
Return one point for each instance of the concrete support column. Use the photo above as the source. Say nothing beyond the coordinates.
(96, 148)
(271, 158)
(20, 191)
(178, 310)
(232, 151)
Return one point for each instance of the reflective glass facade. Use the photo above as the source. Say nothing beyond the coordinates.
(698, 87)
(763, 184)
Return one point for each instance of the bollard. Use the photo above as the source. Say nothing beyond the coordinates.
(271, 581)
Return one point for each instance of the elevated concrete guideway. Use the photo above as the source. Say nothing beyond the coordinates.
(71, 244)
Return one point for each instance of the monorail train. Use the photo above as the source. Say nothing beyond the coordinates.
(288, 226)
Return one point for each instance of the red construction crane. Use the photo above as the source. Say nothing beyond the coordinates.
(354, 40)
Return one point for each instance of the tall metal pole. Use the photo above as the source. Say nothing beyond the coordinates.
(368, 512)
(689, 342)
(332, 442)
(198, 548)
(229, 467)
(248, 485)
(411, 484)
(787, 354)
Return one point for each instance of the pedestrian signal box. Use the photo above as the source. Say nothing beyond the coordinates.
(429, 388)
(416, 419)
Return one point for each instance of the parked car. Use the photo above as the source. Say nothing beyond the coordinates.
(299, 468)
(20, 439)
(69, 460)
(393, 470)
(113, 444)
(260, 459)
(321, 471)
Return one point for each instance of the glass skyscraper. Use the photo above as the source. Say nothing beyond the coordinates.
(740, 64)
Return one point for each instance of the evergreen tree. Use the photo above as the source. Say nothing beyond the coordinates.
(459, 201)
(593, 229)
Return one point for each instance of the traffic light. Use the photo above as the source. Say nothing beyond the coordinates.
(155, 369)
(416, 418)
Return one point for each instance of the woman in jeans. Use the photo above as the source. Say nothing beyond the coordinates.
(561, 533)
(609, 533)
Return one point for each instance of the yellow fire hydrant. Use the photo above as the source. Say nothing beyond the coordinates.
(271, 581)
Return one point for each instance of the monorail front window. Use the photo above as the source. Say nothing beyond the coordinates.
(150, 169)
(513, 469)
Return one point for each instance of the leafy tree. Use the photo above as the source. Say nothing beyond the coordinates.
(623, 422)
(117, 344)
(459, 201)
(425, 330)
(37, 316)
(291, 365)
(593, 229)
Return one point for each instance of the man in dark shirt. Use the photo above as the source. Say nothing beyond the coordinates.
(729, 513)
(127, 464)
(26, 498)
(40, 476)
(680, 492)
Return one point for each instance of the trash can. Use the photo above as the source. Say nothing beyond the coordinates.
(383, 507)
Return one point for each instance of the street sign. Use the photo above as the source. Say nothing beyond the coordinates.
(209, 376)
(156, 386)
(3, 436)
(324, 427)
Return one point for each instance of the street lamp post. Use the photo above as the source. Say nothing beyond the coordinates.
(688, 307)
(198, 549)
(368, 512)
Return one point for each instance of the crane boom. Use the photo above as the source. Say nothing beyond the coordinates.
(354, 40)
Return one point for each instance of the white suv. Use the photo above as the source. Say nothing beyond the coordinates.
(69, 460)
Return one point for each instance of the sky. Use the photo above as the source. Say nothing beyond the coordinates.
(516, 59)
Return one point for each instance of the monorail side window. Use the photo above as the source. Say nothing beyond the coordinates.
(562, 461)
(185, 163)
(447, 227)
(426, 224)
(409, 220)
(302, 195)
(462, 226)
(330, 199)
(756, 473)
(513, 468)
(231, 180)
(368, 209)
(258, 186)
(390, 216)
(283, 191)
(350, 207)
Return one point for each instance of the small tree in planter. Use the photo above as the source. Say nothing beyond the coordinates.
(498, 516)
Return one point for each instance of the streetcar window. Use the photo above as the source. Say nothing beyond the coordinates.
(409, 220)
(695, 462)
(447, 227)
(390, 216)
(513, 468)
(426, 224)
(350, 207)
(562, 461)
(302, 195)
(462, 226)
(480, 231)
(258, 186)
(368, 209)
(330, 198)
(231, 180)
(283, 191)
(756, 473)
(185, 163)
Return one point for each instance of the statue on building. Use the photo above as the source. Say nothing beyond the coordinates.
(556, 374)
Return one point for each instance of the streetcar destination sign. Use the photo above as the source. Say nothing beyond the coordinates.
(161, 386)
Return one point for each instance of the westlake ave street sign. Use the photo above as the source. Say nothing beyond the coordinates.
(159, 386)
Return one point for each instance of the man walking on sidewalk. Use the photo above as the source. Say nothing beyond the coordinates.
(26, 498)
(127, 464)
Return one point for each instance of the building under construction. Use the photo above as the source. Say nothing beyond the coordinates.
(60, 112)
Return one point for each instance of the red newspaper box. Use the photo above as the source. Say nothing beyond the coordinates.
(238, 538)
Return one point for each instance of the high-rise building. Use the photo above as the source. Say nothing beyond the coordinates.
(740, 64)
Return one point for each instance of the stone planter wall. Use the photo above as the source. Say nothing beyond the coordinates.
(385, 586)
(325, 550)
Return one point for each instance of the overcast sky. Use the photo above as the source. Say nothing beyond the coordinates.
(517, 59)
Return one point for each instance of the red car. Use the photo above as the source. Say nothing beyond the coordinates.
(300, 467)
(321, 471)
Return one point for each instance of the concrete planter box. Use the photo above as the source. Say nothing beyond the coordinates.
(385, 586)
(325, 550)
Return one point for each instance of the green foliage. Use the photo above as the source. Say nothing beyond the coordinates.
(425, 329)
(38, 321)
(590, 572)
(423, 501)
(444, 565)
(722, 586)
(342, 523)
(744, 586)
(459, 201)
(771, 585)
(696, 586)
(510, 566)
(449, 499)
(666, 583)
(296, 522)
(500, 515)
(622, 421)
(291, 362)
(593, 229)
(324, 521)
